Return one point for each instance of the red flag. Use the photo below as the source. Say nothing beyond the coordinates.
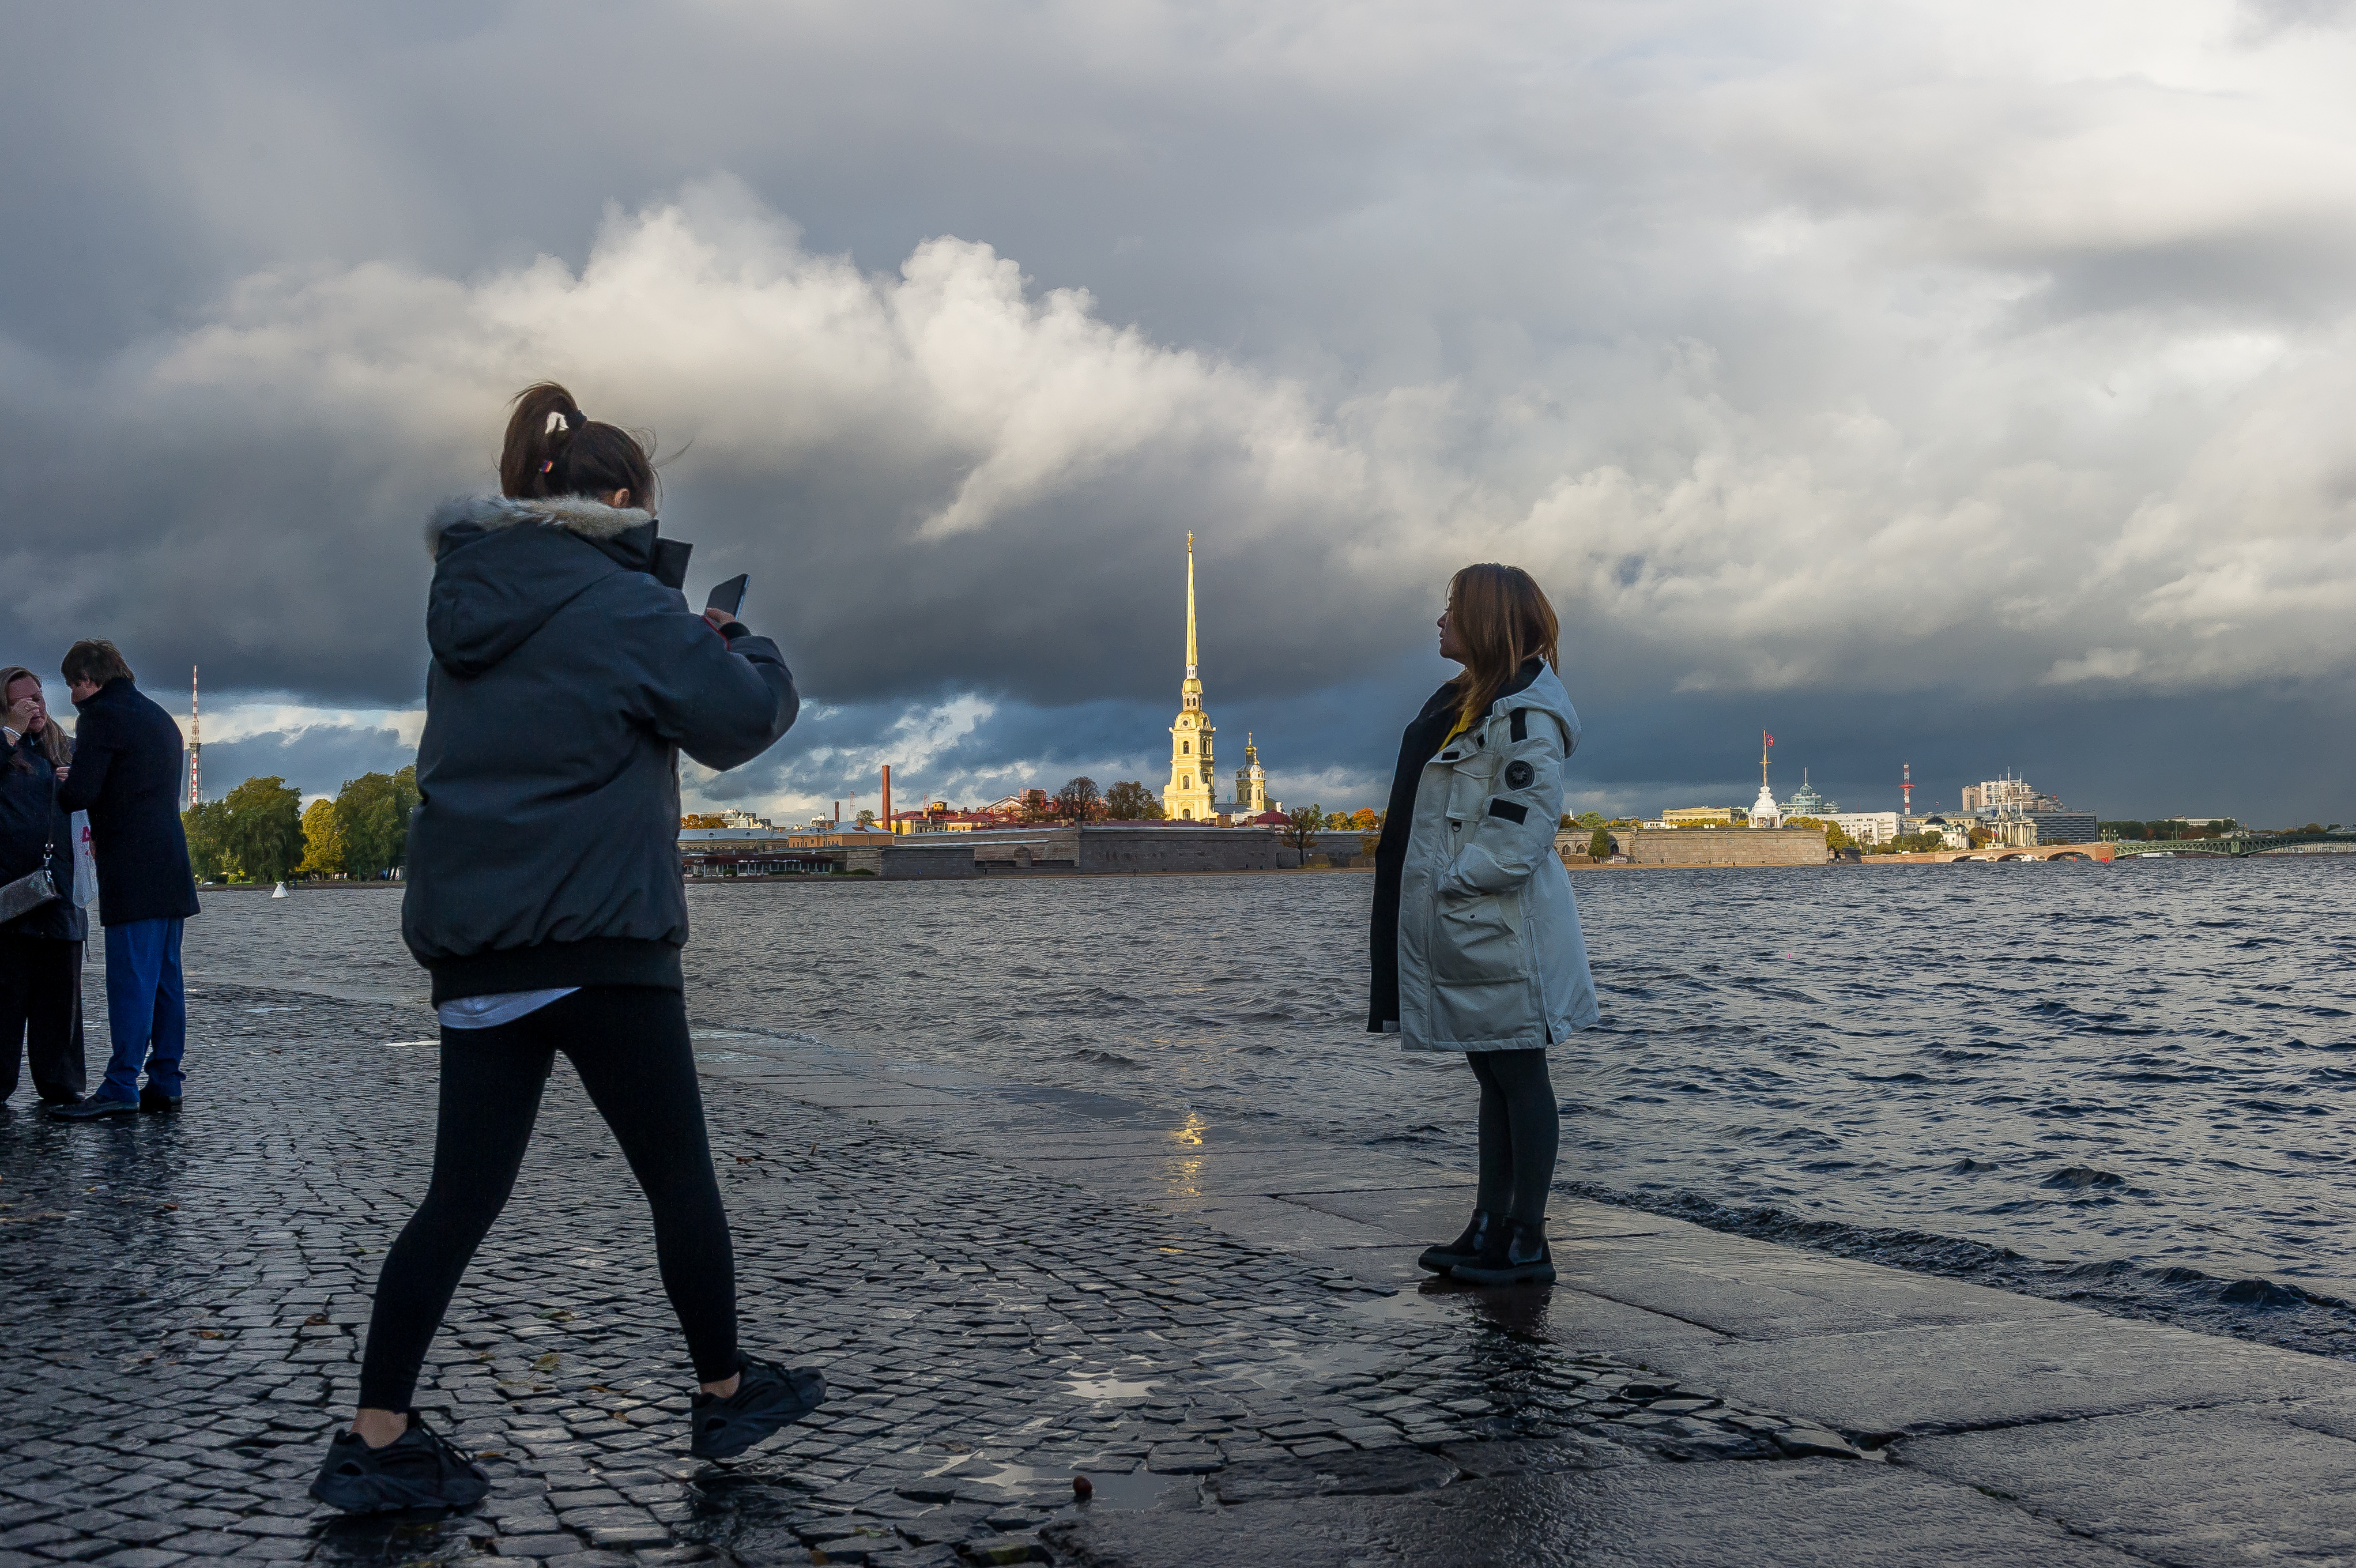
(1771, 739)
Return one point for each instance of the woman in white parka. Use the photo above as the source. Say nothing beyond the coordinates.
(1476, 941)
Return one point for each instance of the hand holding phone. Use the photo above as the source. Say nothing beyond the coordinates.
(728, 596)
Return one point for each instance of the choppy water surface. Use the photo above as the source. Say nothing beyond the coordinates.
(2128, 1083)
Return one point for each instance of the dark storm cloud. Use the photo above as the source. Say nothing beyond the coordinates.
(1824, 362)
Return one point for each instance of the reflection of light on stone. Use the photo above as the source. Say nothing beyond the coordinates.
(1191, 1134)
(1108, 1387)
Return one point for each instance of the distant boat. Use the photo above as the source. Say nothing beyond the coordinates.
(279, 891)
(2153, 854)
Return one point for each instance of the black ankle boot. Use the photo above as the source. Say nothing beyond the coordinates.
(1466, 1248)
(1516, 1254)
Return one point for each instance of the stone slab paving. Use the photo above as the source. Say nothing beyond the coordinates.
(184, 1298)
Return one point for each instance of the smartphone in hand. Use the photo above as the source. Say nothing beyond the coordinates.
(730, 595)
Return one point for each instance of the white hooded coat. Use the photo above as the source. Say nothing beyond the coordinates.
(1490, 955)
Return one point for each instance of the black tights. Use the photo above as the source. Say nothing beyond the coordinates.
(1520, 1126)
(630, 1046)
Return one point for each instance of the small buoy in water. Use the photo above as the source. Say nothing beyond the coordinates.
(1083, 1488)
(279, 891)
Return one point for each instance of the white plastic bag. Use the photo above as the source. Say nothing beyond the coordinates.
(85, 887)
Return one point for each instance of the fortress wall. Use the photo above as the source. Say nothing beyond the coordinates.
(1722, 846)
(1114, 848)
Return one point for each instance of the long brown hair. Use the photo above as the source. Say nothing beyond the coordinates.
(554, 449)
(1502, 617)
(54, 744)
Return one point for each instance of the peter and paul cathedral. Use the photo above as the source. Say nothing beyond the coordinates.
(1190, 798)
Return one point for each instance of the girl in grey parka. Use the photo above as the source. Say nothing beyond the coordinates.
(1476, 945)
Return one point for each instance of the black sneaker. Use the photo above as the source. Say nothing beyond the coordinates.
(1516, 1254)
(767, 1397)
(1466, 1248)
(154, 1099)
(418, 1469)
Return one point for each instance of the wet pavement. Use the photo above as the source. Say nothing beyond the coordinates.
(186, 1297)
(1218, 1325)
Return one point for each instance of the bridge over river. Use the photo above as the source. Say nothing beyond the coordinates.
(2239, 846)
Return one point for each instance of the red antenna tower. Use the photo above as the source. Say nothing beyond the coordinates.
(1906, 788)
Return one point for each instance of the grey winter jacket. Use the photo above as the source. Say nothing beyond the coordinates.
(566, 680)
(1490, 953)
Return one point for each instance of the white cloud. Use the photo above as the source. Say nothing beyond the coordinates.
(1876, 351)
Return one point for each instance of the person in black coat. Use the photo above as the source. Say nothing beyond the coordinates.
(41, 950)
(126, 774)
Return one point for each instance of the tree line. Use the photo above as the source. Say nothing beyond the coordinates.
(259, 831)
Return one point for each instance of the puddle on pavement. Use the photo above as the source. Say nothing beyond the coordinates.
(1109, 1387)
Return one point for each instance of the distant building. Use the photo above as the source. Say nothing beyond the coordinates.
(2061, 826)
(2008, 793)
(1190, 798)
(1806, 802)
(1863, 827)
(1251, 786)
(1699, 817)
(1764, 813)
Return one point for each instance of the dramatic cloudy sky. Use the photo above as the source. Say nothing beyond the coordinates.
(1971, 385)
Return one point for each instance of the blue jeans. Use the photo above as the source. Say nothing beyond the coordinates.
(146, 1011)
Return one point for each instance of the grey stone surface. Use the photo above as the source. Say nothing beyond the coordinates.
(1985, 1374)
(1819, 1514)
(2206, 1489)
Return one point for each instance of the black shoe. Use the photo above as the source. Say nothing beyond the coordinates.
(94, 1108)
(1466, 1248)
(1516, 1254)
(418, 1469)
(767, 1397)
(154, 1099)
(67, 1098)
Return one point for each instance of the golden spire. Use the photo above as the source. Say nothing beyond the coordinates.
(1190, 607)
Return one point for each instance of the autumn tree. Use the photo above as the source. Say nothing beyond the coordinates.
(1079, 800)
(323, 840)
(1131, 801)
(1301, 825)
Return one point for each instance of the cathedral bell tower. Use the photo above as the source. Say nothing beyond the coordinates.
(1251, 782)
(1189, 796)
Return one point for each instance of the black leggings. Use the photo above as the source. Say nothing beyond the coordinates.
(1520, 1125)
(630, 1046)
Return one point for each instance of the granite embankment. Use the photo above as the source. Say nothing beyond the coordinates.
(1008, 1285)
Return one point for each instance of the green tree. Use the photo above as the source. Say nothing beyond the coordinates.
(1131, 801)
(1587, 820)
(205, 827)
(866, 819)
(265, 827)
(373, 812)
(323, 840)
(1301, 826)
(1599, 842)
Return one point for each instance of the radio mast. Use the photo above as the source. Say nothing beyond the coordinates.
(1906, 788)
(196, 747)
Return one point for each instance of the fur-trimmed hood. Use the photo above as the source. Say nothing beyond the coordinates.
(502, 566)
(591, 519)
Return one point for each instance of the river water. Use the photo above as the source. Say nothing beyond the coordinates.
(2126, 1084)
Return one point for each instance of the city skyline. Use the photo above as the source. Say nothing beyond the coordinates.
(1915, 389)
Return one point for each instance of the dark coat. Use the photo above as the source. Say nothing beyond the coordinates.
(30, 817)
(566, 680)
(127, 775)
(1425, 735)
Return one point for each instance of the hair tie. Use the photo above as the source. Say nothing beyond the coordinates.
(575, 423)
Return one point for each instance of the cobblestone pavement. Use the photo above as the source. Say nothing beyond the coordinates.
(186, 1296)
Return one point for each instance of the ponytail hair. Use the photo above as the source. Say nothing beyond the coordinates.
(1502, 616)
(554, 449)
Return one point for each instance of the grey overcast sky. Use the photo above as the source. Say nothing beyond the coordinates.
(1972, 386)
